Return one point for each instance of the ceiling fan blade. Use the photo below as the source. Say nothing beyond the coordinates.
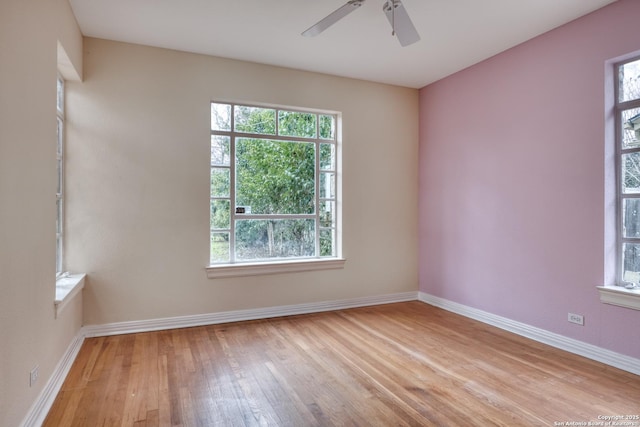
(333, 17)
(403, 27)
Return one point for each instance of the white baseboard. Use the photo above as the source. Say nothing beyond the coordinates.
(40, 408)
(571, 345)
(240, 315)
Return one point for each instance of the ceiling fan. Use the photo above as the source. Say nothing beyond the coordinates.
(401, 24)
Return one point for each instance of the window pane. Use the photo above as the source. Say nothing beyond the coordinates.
(631, 217)
(631, 173)
(220, 117)
(59, 216)
(631, 262)
(631, 128)
(327, 127)
(220, 182)
(275, 177)
(219, 247)
(629, 81)
(284, 238)
(327, 243)
(291, 123)
(255, 120)
(327, 185)
(60, 100)
(220, 152)
(58, 254)
(327, 213)
(59, 168)
(60, 136)
(327, 156)
(220, 214)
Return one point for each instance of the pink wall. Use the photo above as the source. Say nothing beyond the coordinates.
(512, 181)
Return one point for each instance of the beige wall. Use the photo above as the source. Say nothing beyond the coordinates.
(30, 334)
(138, 173)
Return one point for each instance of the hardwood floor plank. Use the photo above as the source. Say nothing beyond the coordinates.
(405, 364)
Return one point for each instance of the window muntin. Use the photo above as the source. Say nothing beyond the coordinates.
(273, 184)
(627, 110)
(60, 175)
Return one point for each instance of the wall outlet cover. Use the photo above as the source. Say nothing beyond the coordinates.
(578, 319)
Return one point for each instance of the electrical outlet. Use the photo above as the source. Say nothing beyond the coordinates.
(578, 319)
(33, 376)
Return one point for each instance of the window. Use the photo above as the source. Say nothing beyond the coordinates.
(60, 176)
(68, 286)
(274, 185)
(627, 119)
(622, 184)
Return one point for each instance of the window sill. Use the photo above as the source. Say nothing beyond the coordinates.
(67, 287)
(256, 269)
(617, 295)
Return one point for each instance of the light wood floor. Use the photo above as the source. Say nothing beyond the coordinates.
(406, 364)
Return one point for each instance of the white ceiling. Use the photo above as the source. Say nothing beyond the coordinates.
(455, 33)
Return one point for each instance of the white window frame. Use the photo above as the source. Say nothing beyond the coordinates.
(60, 137)
(621, 106)
(236, 267)
(68, 286)
(621, 293)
